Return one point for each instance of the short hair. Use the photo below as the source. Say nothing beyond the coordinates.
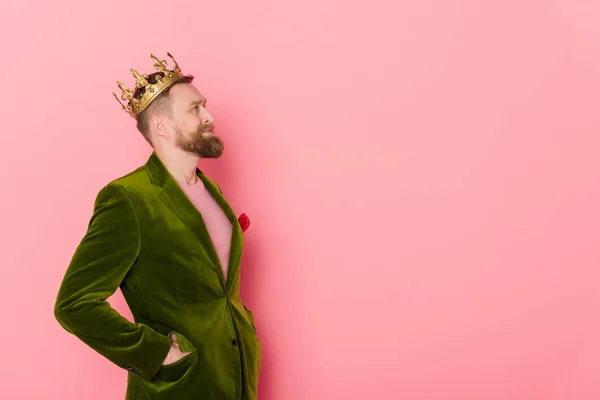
(160, 105)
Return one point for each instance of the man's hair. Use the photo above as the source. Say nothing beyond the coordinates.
(161, 105)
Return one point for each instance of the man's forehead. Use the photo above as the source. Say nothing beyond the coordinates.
(187, 93)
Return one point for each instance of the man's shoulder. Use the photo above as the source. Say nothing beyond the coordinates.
(131, 178)
(133, 183)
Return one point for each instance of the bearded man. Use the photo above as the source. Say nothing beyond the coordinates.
(165, 235)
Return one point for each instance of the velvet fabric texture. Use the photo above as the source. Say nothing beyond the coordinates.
(146, 237)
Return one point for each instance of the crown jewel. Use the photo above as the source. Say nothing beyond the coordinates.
(148, 87)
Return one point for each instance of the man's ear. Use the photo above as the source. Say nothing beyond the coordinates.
(158, 126)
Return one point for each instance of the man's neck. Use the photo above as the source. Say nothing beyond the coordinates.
(181, 165)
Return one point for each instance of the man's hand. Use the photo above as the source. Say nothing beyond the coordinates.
(174, 352)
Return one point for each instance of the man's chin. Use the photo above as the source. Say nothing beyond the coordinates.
(211, 154)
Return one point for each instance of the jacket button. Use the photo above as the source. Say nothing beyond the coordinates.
(234, 342)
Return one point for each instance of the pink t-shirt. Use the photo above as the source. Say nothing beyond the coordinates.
(218, 225)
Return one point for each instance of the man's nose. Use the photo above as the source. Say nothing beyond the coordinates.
(206, 117)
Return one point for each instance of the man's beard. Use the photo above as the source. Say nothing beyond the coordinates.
(198, 144)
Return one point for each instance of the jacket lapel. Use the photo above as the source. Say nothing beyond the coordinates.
(176, 199)
(235, 250)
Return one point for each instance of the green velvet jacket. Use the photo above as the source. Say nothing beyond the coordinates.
(146, 237)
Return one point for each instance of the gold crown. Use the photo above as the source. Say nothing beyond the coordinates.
(148, 87)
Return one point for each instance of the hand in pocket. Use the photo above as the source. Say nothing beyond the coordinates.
(175, 352)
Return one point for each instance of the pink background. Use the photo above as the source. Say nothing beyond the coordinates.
(421, 176)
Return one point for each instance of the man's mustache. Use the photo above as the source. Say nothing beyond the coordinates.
(207, 127)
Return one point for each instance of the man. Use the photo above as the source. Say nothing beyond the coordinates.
(167, 237)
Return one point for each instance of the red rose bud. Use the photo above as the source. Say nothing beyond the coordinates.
(244, 222)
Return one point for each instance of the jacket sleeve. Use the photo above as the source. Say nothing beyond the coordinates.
(100, 263)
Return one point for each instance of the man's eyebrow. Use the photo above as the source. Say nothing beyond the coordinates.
(196, 102)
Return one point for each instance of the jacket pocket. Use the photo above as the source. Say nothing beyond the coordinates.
(176, 372)
(179, 370)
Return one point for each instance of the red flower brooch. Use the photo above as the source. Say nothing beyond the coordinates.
(244, 222)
